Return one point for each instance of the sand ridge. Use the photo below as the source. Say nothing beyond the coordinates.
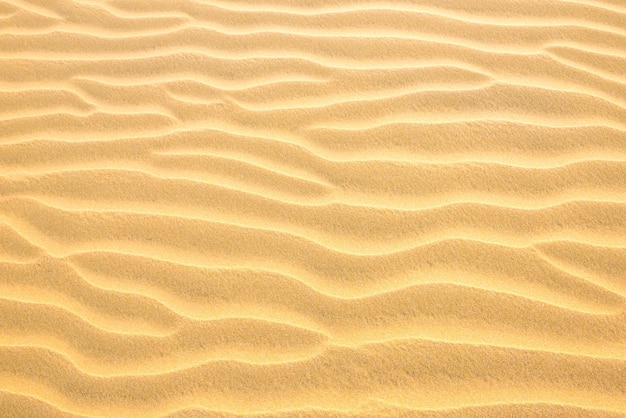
(408, 208)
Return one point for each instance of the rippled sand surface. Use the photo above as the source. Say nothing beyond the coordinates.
(316, 208)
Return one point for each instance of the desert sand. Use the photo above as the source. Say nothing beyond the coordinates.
(313, 208)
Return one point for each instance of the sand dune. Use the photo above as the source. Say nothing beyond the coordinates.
(409, 208)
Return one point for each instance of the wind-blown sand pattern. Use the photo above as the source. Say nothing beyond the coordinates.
(313, 208)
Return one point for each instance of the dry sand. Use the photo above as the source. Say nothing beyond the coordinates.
(313, 208)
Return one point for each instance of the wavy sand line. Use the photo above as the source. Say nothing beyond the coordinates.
(394, 277)
(326, 235)
(325, 63)
(276, 379)
(82, 339)
(84, 260)
(384, 409)
(89, 288)
(431, 57)
(428, 226)
(349, 267)
(124, 9)
(569, 186)
(342, 24)
(33, 406)
(477, 37)
(189, 356)
(172, 104)
(556, 147)
(319, 7)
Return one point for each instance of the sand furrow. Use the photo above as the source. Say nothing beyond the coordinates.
(32, 406)
(72, 12)
(492, 10)
(158, 359)
(55, 283)
(23, 405)
(330, 25)
(158, 268)
(494, 143)
(391, 231)
(34, 8)
(319, 182)
(347, 242)
(496, 103)
(445, 317)
(198, 80)
(545, 282)
(198, 239)
(385, 410)
(107, 353)
(604, 266)
(398, 371)
(477, 37)
(333, 61)
(248, 294)
(497, 66)
(91, 285)
(14, 247)
(610, 5)
(588, 61)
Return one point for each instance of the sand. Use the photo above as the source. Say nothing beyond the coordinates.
(315, 208)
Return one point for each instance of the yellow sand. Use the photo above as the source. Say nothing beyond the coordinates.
(313, 208)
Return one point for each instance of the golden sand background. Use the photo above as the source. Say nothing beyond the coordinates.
(313, 208)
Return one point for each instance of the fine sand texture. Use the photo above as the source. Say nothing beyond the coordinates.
(313, 208)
